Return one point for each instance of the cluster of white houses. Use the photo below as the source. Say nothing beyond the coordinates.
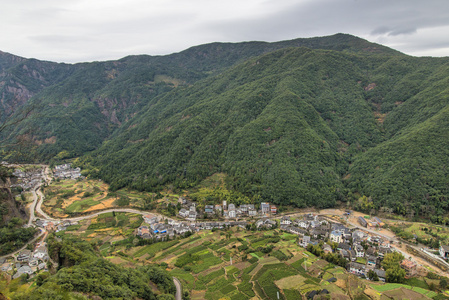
(227, 211)
(363, 252)
(164, 228)
(26, 262)
(28, 179)
(55, 225)
(66, 171)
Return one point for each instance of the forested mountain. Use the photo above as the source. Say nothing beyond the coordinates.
(78, 106)
(306, 122)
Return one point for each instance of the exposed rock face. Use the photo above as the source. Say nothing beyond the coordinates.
(21, 79)
(10, 207)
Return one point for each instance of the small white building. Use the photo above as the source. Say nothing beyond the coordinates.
(285, 220)
(356, 268)
(359, 251)
(336, 237)
(444, 251)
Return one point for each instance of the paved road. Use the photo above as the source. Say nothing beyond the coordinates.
(178, 295)
(32, 209)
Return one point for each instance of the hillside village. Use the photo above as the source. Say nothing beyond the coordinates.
(66, 171)
(27, 179)
(190, 212)
(26, 261)
(360, 252)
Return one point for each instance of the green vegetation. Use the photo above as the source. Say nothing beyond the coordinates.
(392, 266)
(83, 271)
(296, 127)
(13, 235)
(307, 122)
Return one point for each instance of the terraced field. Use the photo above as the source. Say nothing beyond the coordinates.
(237, 264)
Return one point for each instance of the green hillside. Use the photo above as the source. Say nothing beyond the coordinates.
(288, 127)
(76, 107)
(306, 122)
(83, 274)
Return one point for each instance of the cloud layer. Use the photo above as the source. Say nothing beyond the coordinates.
(81, 30)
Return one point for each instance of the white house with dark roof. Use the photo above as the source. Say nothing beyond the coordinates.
(336, 237)
(286, 220)
(23, 270)
(444, 251)
(359, 251)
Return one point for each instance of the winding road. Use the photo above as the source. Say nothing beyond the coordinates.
(177, 283)
(36, 207)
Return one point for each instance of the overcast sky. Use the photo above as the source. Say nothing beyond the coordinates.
(88, 30)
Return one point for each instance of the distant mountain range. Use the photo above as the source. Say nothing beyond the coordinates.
(306, 122)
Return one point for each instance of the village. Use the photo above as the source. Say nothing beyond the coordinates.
(26, 261)
(363, 249)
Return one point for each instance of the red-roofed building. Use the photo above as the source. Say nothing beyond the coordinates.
(410, 268)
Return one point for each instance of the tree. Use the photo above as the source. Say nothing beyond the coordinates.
(392, 260)
(395, 274)
(443, 283)
(373, 275)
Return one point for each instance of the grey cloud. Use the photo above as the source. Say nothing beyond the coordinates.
(60, 29)
(58, 39)
(402, 31)
(393, 31)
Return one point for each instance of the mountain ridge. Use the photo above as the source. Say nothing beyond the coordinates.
(290, 124)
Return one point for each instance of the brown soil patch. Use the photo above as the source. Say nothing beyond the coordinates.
(106, 239)
(50, 140)
(199, 295)
(372, 293)
(69, 201)
(292, 282)
(169, 259)
(341, 283)
(103, 205)
(335, 296)
(55, 214)
(84, 227)
(133, 250)
(256, 269)
(380, 117)
(403, 293)
(242, 265)
(144, 257)
(370, 87)
(294, 259)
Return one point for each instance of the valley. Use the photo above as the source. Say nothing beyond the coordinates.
(305, 122)
(304, 169)
(233, 262)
